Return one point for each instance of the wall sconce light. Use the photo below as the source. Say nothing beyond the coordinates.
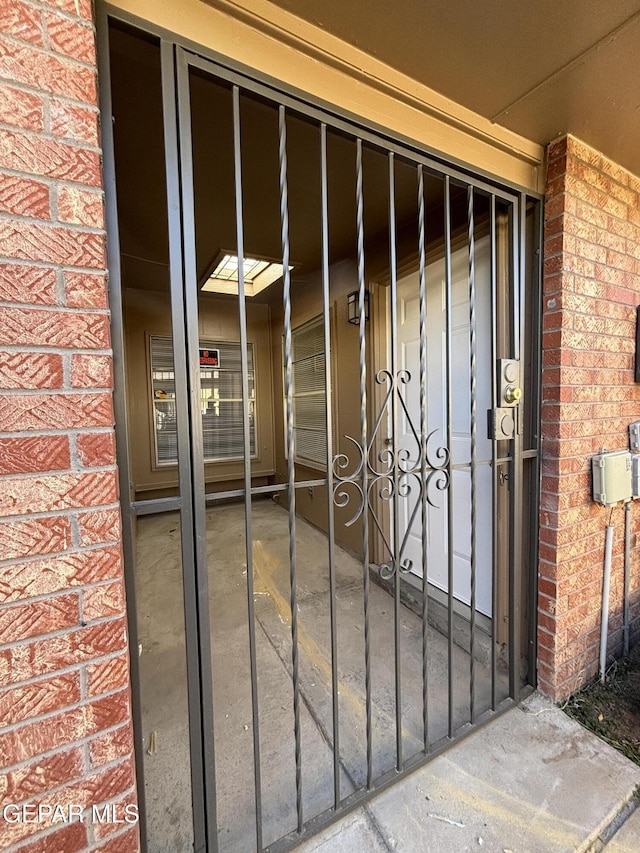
(353, 307)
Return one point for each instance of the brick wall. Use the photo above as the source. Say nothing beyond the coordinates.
(591, 289)
(65, 727)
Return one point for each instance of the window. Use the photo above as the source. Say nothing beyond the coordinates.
(220, 398)
(309, 394)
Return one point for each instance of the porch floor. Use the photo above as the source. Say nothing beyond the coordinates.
(164, 683)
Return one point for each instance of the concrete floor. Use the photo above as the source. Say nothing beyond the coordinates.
(163, 676)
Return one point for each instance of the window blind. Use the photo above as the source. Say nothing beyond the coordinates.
(220, 401)
(309, 396)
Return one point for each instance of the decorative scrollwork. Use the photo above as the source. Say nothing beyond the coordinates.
(394, 474)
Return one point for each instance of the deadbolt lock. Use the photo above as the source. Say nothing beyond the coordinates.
(509, 388)
(504, 421)
(512, 394)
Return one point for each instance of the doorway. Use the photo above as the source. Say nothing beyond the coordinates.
(323, 448)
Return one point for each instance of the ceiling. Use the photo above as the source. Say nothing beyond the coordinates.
(540, 68)
(140, 178)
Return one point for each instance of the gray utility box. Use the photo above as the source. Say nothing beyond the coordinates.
(611, 477)
(635, 475)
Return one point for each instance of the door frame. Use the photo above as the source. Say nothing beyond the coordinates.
(191, 500)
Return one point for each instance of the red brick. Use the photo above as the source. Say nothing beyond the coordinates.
(110, 828)
(558, 148)
(111, 782)
(111, 746)
(58, 491)
(72, 838)
(36, 327)
(50, 158)
(546, 621)
(56, 574)
(23, 21)
(23, 283)
(25, 742)
(34, 536)
(39, 453)
(74, 123)
(80, 207)
(586, 405)
(624, 229)
(30, 370)
(546, 656)
(40, 657)
(85, 290)
(74, 39)
(579, 228)
(80, 8)
(91, 371)
(18, 704)
(101, 601)
(51, 244)
(25, 621)
(24, 197)
(21, 109)
(97, 449)
(106, 676)
(99, 526)
(37, 778)
(47, 72)
(55, 411)
(128, 842)
(556, 167)
(104, 785)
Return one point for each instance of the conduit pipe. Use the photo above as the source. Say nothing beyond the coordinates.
(604, 623)
(627, 557)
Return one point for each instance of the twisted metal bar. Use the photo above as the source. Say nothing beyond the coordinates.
(242, 311)
(288, 389)
(364, 446)
(473, 390)
(397, 454)
(450, 505)
(330, 515)
(423, 450)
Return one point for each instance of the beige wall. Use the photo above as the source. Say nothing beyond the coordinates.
(273, 42)
(149, 313)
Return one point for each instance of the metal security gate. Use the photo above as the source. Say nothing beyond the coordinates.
(352, 389)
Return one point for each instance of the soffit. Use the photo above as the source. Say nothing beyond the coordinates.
(539, 69)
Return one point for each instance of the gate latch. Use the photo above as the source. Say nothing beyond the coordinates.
(505, 421)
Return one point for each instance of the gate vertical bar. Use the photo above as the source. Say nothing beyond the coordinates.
(449, 361)
(494, 451)
(184, 304)
(119, 397)
(395, 383)
(329, 422)
(473, 392)
(518, 236)
(288, 385)
(246, 428)
(423, 451)
(365, 453)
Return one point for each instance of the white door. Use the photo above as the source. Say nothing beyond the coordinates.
(409, 358)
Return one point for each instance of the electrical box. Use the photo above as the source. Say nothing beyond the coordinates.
(611, 477)
(635, 475)
(634, 436)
